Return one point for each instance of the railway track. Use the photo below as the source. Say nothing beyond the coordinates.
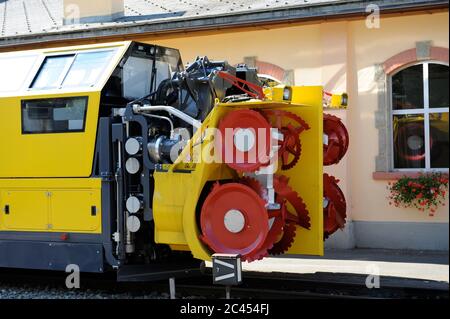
(255, 286)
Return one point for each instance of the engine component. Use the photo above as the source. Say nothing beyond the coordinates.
(291, 126)
(335, 206)
(246, 139)
(134, 204)
(243, 85)
(234, 220)
(132, 165)
(194, 91)
(336, 140)
(133, 145)
(163, 149)
(133, 224)
(171, 110)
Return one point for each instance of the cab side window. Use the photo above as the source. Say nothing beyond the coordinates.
(52, 72)
(72, 70)
(56, 115)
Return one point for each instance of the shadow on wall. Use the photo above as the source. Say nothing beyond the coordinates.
(334, 80)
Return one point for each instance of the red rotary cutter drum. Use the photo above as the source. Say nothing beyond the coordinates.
(335, 208)
(246, 140)
(234, 220)
(338, 140)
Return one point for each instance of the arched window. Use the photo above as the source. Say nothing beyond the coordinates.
(420, 117)
(270, 74)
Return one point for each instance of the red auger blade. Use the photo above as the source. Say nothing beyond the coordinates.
(335, 212)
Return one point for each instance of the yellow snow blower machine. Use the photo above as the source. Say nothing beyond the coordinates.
(115, 156)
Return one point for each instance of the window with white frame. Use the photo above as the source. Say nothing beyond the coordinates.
(420, 123)
(72, 70)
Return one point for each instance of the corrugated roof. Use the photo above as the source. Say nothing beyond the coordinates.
(31, 21)
(19, 17)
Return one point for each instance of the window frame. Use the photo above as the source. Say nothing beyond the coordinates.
(67, 69)
(82, 130)
(62, 76)
(30, 73)
(426, 111)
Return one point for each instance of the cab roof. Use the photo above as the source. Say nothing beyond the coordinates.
(83, 68)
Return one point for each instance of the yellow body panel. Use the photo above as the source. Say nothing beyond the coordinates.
(51, 205)
(178, 190)
(28, 210)
(71, 210)
(306, 178)
(46, 155)
(38, 155)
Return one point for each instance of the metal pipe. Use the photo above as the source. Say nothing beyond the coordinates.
(129, 246)
(172, 128)
(169, 109)
(118, 177)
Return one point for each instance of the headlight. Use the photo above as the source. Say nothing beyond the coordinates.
(344, 99)
(287, 93)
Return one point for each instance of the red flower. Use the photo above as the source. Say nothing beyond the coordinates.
(424, 193)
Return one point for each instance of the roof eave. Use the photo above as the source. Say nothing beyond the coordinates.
(330, 10)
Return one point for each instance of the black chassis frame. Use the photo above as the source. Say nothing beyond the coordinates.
(159, 269)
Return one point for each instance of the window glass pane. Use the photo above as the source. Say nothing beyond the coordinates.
(407, 88)
(171, 57)
(87, 68)
(163, 72)
(54, 115)
(137, 74)
(50, 74)
(438, 83)
(409, 141)
(439, 140)
(14, 71)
